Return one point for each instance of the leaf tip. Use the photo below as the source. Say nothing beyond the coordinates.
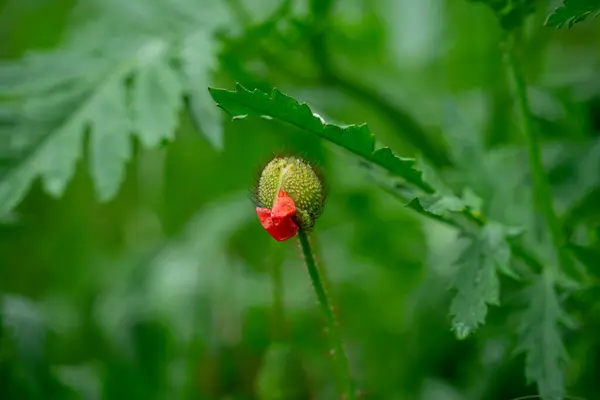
(461, 330)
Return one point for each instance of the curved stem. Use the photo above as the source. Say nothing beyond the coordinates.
(541, 184)
(339, 355)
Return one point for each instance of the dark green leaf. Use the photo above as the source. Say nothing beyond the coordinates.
(358, 139)
(588, 256)
(572, 12)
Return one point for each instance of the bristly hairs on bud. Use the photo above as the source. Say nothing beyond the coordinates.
(288, 152)
(289, 195)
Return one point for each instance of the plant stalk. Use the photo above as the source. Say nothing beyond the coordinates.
(541, 184)
(339, 355)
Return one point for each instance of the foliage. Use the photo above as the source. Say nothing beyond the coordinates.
(128, 83)
(355, 138)
(572, 12)
(476, 280)
(541, 339)
(510, 13)
(132, 261)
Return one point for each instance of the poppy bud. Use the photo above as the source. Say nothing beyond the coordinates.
(291, 196)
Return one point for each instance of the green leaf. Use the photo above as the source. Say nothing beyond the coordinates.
(106, 115)
(545, 354)
(572, 12)
(104, 112)
(112, 77)
(588, 256)
(510, 13)
(358, 139)
(476, 280)
(156, 100)
(199, 59)
(444, 205)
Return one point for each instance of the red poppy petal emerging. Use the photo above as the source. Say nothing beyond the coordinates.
(264, 216)
(284, 206)
(284, 230)
(279, 222)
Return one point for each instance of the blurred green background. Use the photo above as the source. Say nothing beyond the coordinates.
(165, 290)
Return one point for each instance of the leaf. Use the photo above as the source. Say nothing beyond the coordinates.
(103, 110)
(476, 280)
(572, 12)
(25, 320)
(444, 205)
(510, 13)
(545, 354)
(156, 100)
(358, 139)
(588, 256)
(112, 77)
(198, 57)
(110, 145)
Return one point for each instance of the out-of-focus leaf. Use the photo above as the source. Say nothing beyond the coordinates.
(198, 58)
(85, 85)
(358, 139)
(572, 12)
(281, 376)
(511, 13)
(541, 341)
(83, 379)
(156, 99)
(476, 279)
(443, 205)
(24, 319)
(588, 256)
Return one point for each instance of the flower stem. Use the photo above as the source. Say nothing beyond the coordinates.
(339, 355)
(541, 184)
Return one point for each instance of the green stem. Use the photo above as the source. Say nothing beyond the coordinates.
(339, 355)
(541, 184)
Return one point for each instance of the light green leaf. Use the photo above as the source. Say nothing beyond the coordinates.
(444, 205)
(110, 142)
(112, 76)
(358, 139)
(572, 12)
(156, 100)
(545, 354)
(199, 59)
(54, 154)
(476, 279)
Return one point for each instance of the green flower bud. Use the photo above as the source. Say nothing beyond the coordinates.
(299, 181)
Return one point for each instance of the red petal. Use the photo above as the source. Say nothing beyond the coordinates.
(279, 223)
(284, 206)
(283, 230)
(264, 216)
